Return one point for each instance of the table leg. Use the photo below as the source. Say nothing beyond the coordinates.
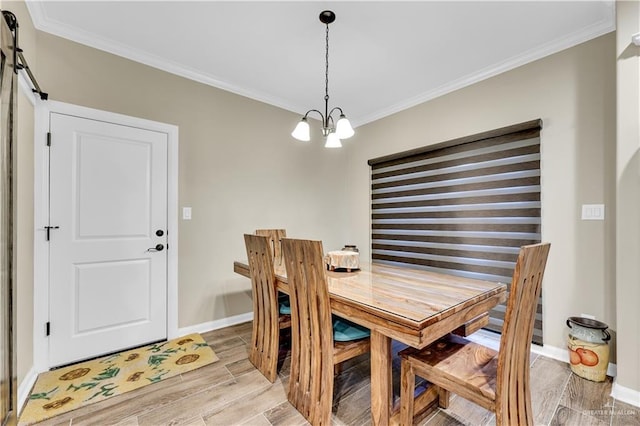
(381, 386)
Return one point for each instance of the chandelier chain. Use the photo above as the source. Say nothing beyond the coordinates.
(326, 72)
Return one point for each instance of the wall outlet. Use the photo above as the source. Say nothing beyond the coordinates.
(593, 212)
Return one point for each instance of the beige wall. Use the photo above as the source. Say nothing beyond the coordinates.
(628, 193)
(239, 168)
(573, 92)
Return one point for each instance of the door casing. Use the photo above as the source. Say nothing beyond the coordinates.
(41, 217)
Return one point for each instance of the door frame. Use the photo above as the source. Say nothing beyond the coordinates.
(41, 215)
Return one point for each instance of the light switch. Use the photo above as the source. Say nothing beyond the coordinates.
(593, 212)
(186, 213)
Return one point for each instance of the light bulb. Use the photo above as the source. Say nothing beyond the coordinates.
(301, 132)
(343, 128)
(333, 141)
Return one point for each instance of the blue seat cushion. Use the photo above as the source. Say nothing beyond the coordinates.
(284, 304)
(345, 331)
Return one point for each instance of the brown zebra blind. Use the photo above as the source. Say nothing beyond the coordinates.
(461, 207)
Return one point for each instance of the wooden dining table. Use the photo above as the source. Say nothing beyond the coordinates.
(413, 306)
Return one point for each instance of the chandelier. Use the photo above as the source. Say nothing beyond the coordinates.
(331, 130)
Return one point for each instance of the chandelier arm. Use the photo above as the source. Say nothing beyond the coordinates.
(315, 110)
(336, 108)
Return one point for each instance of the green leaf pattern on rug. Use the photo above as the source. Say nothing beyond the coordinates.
(44, 395)
(105, 390)
(85, 385)
(199, 345)
(157, 377)
(156, 347)
(108, 373)
(156, 360)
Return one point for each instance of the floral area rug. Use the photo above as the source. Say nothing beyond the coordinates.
(65, 389)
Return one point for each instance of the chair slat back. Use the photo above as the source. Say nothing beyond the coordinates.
(513, 386)
(274, 236)
(264, 340)
(311, 378)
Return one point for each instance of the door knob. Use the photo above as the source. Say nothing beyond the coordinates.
(158, 247)
(159, 232)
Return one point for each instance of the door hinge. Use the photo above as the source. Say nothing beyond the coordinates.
(47, 328)
(48, 138)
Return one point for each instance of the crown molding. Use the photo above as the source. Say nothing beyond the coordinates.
(51, 26)
(44, 23)
(598, 29)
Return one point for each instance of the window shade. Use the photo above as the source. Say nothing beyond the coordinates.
(461, 207)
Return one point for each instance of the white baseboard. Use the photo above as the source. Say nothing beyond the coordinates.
(626, 395)
(553, 352)
(214, 325)
(25, 388)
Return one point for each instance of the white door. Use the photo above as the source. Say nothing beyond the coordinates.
(108, 262)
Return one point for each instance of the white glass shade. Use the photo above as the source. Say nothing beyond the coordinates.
(301, 132)
(333, 141)
(343, 128)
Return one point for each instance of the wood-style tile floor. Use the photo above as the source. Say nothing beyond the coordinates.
(232, 392)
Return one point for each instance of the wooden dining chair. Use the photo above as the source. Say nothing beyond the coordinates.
(274, 236)
(267, 318)
(319, 342)
(497, 381)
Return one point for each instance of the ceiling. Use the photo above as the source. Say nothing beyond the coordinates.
(384, 56)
